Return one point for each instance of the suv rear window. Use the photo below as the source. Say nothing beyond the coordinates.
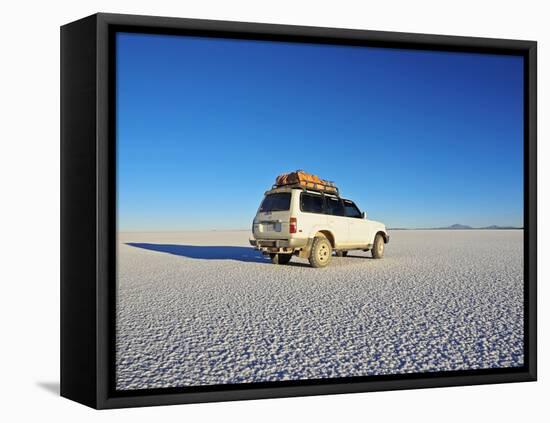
(311, 203)
(276, 202)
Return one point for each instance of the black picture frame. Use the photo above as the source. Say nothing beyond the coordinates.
(88, 249)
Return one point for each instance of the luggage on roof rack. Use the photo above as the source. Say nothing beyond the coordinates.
(306, 180)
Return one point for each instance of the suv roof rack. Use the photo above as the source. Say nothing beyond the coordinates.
(311, 186)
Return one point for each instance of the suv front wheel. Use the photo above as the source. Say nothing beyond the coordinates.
(321, 251)
(378, 247)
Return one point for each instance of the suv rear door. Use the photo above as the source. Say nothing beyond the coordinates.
(312, 212)
(337, 222)
(273, 217)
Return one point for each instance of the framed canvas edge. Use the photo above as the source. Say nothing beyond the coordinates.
(105, 197)
(78, 219)
(309, 390)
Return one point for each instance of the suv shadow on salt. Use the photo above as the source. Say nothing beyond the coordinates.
(206, 252)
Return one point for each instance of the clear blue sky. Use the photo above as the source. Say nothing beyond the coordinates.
(416, 138)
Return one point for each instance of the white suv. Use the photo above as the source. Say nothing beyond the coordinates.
(311, 224)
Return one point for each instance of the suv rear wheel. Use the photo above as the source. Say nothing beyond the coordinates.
(378, 247)
(280, 258)
(321, 251)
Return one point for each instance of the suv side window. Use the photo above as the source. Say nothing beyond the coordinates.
(334, 206)
(311, 203)
(351, 209)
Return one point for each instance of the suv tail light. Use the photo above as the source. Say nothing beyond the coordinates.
(293, 228)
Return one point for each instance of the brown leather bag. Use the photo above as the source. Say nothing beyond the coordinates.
(307, 180)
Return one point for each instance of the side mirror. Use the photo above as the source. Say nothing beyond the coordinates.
(364, 215)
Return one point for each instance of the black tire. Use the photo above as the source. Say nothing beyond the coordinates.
(321, 252)
(378, 247)
(341, 253)
(280, 258)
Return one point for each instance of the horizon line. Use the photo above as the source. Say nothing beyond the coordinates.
(442, 228)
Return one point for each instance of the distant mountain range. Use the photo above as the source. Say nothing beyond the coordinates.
(460, 226)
